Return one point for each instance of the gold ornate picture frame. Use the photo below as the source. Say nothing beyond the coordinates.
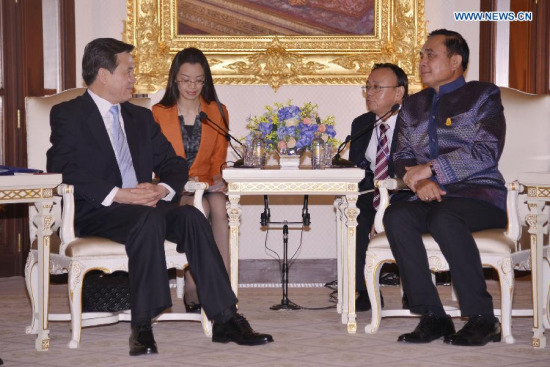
(399, 32)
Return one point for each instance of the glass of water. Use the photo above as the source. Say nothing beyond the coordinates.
(248, 155)
(327, 156)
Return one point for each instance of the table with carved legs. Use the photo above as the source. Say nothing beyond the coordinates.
(341, 183)
(537, 188)
(38, 190)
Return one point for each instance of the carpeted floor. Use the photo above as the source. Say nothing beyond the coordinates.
(302, 338)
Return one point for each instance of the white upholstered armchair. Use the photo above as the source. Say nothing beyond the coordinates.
(495, 247)
(76, 256)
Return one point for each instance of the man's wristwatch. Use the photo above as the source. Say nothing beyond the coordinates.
(432, 169)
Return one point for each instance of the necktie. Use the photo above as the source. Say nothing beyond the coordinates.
(382, 157)
(123, 156)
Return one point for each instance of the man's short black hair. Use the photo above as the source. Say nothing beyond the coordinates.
(101, 53)
(402, 79)
(455, 43)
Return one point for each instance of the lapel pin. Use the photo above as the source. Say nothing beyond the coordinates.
(448, 121)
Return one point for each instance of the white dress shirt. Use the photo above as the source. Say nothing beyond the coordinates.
(104, 106)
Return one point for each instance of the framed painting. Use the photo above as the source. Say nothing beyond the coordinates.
(276, 42)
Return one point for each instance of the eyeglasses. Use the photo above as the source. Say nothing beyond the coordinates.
(188, 82)
(375, 88)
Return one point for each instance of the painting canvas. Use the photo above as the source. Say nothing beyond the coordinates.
(275, 17)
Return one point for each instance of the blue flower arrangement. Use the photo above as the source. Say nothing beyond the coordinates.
(288, 128)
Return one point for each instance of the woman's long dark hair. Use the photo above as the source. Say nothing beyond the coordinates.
(189, 55)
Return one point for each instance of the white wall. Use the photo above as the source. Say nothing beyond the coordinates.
(95, 19)
(104, 18)
(439, 14)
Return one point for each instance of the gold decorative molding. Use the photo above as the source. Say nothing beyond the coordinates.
(538, 191)
(399, 32)
(283, 187)
(17, 194)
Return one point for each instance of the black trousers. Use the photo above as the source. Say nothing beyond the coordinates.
(143, 230)
(365, 220)
(364, 225)
(451, 224)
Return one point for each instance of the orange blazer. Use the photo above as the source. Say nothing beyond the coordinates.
(213, 146)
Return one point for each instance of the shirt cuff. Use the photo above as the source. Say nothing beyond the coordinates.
(171, 192)
(109, 198)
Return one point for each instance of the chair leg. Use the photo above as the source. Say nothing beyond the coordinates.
(372, 279)
(31, 282)
(180, 283)
(76, 277)
(206, 324)
(506, 280)
(453, 293)
(546, 293)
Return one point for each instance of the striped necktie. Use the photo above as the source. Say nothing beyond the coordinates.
(382, 158)
(122, 151)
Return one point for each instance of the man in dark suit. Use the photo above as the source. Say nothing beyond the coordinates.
(386, 86)
(449, 141)
(109, 149)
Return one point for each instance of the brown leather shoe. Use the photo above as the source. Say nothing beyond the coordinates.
(238, 330)
(431, 327)
(142, 340)
(478, 331)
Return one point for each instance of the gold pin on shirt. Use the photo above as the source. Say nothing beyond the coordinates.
(448, 121)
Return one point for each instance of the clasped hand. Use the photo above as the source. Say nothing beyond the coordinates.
(145, 193)
(417, 179)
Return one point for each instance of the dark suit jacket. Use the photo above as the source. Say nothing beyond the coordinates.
(82, 152)
(358, 147)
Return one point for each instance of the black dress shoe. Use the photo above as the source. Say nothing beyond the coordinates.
(192, 307)
(362, 303)
(142, 341)
(238, 330)
(431, 327)
(478, 331)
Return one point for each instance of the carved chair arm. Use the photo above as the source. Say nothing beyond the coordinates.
(66, 229)
(384, 186)
(198, 188)
(514, 225)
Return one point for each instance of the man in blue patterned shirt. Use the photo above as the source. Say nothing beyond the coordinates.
(449, 140)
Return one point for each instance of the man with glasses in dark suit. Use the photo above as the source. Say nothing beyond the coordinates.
(386, 86)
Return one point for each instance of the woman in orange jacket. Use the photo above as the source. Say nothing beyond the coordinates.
(190, 90)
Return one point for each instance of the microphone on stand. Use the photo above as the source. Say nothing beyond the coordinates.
(344, 163)
(228, 137)
(306, 218)
(266, 215)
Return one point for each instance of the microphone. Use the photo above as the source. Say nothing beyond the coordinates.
(344, 163)
(306, 218)
(228, 137)
(266, 215)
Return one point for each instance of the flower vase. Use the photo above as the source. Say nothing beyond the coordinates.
(289, 161)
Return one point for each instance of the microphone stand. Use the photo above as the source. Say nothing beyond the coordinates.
(285, 304)
(228, 137)
(344, 163)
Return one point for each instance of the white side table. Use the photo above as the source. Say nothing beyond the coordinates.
(537, 187)
(342, 183)
(38, 190)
